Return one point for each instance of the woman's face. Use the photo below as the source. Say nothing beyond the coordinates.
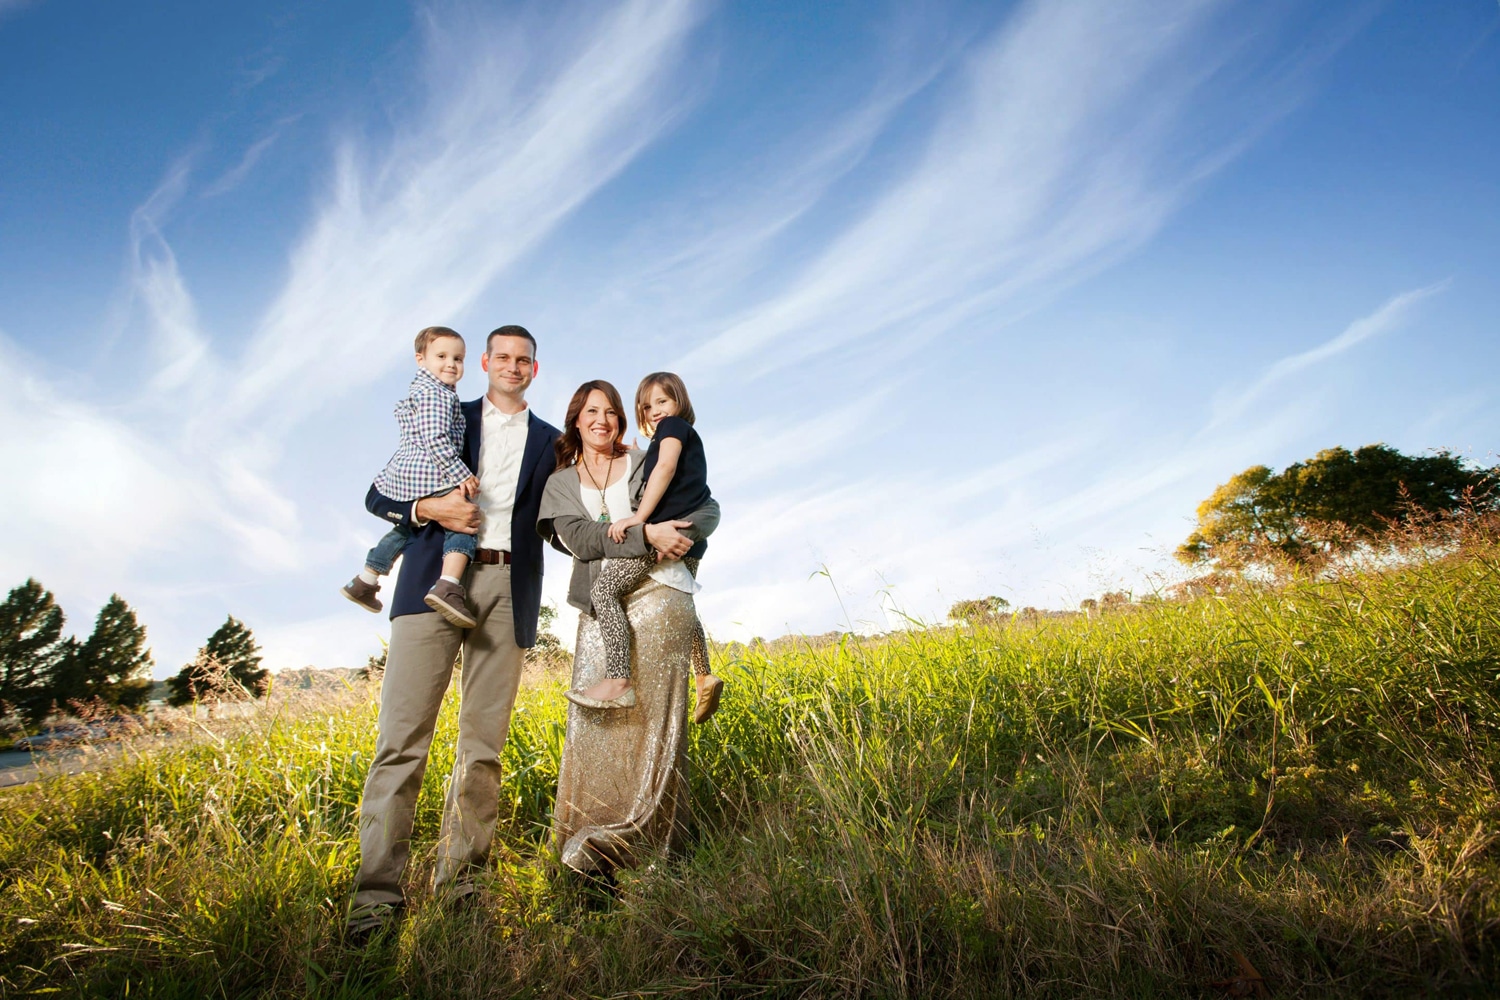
(598, 423)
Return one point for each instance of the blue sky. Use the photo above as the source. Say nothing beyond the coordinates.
(972, 298)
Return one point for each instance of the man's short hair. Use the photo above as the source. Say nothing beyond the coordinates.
(510, 330)
(432, 333)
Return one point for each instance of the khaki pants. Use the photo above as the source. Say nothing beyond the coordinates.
(419, 665)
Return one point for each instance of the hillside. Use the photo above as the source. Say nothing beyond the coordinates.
(1299, 778)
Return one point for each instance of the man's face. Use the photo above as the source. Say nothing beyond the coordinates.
(510, 365)
(444, 359)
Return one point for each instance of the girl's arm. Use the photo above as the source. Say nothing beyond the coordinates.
(668, 452)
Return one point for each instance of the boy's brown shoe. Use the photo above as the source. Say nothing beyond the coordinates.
(362, 593)
(449, 600)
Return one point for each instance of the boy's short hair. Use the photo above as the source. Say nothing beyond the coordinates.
(432, 333)
(673, 386)
(510, 330)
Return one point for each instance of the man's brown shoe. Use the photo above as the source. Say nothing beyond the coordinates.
(367, 922)
(449, 600)
(362, 593)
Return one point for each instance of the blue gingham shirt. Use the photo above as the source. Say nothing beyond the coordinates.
(432, 442)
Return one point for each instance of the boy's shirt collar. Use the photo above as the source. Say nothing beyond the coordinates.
(424, 374)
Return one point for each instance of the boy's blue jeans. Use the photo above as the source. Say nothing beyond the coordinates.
(383, 556)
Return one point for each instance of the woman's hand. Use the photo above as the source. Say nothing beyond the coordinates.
(617, 529)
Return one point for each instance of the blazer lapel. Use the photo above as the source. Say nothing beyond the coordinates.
(536, 443)
(473, 430)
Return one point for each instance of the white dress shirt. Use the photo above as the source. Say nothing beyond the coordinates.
(502, 442)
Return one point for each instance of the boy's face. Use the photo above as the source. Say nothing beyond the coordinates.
(444, 359)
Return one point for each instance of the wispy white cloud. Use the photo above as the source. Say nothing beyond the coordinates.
(83, 475)
(1391, 315)
(235, 175)
(1061, 145)
(179, 346)
(518, 130)
(517, 137)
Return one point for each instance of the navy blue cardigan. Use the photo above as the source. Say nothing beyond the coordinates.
(422, 562)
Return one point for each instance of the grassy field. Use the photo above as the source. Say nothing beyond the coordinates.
(1300, 778)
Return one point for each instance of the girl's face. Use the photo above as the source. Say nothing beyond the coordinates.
(659, 405)
(598, 423)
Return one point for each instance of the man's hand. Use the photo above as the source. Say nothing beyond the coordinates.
(668, 542)
(450, 510)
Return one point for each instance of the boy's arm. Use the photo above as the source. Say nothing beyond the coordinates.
(434, 419)
(402, 512)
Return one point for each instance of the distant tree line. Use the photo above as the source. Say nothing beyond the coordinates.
(44, 673)
(1331, 504)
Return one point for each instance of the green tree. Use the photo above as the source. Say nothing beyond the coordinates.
(112, 665)
(980, 610)
(229, 657)
(1331, 502)
(30, 632)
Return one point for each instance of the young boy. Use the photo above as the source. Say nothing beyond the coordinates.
(427, 464)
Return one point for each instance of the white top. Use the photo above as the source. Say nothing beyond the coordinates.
(670, 571)
(502, 442)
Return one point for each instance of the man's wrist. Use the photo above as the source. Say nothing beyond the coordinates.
(416, 516)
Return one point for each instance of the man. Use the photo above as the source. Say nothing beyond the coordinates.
(511, 450)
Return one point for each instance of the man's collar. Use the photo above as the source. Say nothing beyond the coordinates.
(487, 408)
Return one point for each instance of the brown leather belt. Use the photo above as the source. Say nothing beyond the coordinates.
(492, 557)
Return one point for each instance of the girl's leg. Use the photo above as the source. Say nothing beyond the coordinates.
(710, 688)
(617, 578)
(700, 641)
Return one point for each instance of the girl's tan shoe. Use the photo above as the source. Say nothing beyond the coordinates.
(709, 689)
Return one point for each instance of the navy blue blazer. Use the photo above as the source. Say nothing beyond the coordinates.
(422, 562)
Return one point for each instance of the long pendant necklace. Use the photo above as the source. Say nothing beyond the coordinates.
(603, 503)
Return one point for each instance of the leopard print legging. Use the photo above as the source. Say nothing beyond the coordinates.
(617, 578)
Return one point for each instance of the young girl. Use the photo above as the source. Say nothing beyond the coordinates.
(675, 483)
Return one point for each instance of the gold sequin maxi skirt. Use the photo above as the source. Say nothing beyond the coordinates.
(622, 788)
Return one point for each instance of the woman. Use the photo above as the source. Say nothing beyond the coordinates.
(622, 793)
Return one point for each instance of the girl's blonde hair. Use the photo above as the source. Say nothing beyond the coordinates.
(672, 385)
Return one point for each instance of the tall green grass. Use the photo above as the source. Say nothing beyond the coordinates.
(1303, 777)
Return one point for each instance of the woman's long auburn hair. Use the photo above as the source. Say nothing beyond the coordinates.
(570, 443)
